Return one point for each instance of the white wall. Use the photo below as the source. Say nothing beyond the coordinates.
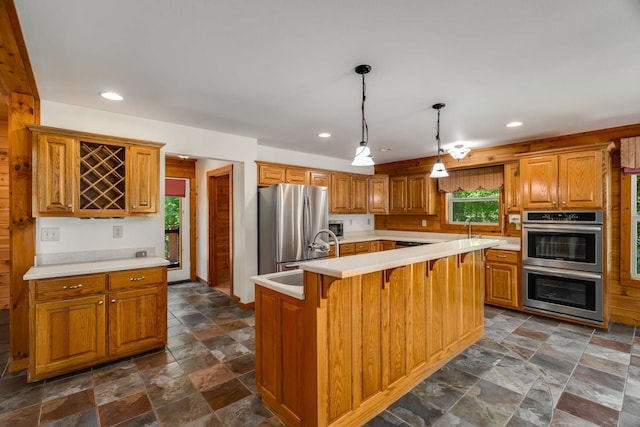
(277, 155)
(94, 234)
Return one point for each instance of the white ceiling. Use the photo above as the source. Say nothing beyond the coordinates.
(283, 71)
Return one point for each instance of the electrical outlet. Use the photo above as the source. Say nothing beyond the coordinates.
(118, 231)
(50, 234)
(424, 222)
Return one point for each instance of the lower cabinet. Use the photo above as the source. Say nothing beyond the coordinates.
(502, 284)
(81, 321)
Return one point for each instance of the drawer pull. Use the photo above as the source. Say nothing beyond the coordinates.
(113, 301)
(100, 302)
(78, 286)
(136, 279)
(501, 256)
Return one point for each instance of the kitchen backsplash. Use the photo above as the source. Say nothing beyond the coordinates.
(355, 223)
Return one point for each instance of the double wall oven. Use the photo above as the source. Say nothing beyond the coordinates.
(562, 264)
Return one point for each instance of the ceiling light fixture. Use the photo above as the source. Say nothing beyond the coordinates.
(111, 96)
(324, 135)
(363, 153)
(514, 124)
(458, 151)
(438, 171)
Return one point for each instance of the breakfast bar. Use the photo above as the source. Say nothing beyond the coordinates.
(344, 338)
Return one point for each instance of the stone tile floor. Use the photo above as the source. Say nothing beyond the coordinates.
(526, 371)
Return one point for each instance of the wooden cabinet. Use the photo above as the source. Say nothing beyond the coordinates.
(272, 173)
(85, 320)
(347, 249)
(319, 178)
(348, 193)
(502, 279)
(88, 175)
(565, 180)
(379, 194)
(55, 166)
(279, 372)
(387, 245)
(412, 194)
(512, 187)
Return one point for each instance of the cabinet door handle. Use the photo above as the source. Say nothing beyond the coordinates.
(488, 268)
(564, 203)
(501, 256)
(78, 286)
(133, 206)
(113, 301)
(69, 206)
(100, 302)
(554, 203)
(135, 279)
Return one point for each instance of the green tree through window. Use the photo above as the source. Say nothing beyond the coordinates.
(480, 206)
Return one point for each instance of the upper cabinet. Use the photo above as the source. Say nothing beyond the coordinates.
(379, 194)
(271, 173)
(88, 175)
(512, 187)
(348, 193)
(565, 180)
(412, 194)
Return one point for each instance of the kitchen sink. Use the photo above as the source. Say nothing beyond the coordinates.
(293, 278)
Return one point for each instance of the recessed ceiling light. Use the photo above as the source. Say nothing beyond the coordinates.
(514, 124)
(112, 96)
(383, 149)
(324, 135)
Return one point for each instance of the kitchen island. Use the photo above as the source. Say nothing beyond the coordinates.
(360, 332)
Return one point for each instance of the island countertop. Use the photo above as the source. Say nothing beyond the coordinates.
(356, 265)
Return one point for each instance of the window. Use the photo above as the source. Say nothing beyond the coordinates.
(480, 206)
(172, 219)
(635, 221)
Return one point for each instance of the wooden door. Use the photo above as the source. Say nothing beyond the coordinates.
(143, 175)
(296, 176)
(539, 182)
(320, 178)
(220, 194)
(397, 194)
(137, 320)
(379, 194)
(68, 334)
(501, 284)
(359, 199)
(512, 187)
(580, 182)
(55, 174)
(417, 197)
(340, 193)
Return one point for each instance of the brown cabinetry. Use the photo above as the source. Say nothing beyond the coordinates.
(379, 194)
(84, 320)
(566, 180)
(320, 178)
(89, 175)
(271, 173)
(502, 279)
(512, 187)
(412, 194)
(348, 194)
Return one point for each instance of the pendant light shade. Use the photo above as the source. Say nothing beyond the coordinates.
(363, 155)
(459, 151)
(438, 170)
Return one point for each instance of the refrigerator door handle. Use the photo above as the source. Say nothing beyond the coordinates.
(306, 223)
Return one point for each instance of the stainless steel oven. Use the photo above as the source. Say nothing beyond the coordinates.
(562, 263)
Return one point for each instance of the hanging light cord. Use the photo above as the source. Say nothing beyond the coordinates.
(438, 136)
(365, 127)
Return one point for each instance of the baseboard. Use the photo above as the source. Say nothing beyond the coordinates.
(201, 280)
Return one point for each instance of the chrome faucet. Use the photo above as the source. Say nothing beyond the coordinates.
(467, 223)
(323, 246)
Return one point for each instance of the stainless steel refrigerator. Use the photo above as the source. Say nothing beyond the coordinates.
(289, 216)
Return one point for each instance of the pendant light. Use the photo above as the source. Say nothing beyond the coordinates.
(438, 171)
(363, 153)
(458, 151)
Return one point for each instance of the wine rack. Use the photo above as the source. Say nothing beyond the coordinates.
(102, 177)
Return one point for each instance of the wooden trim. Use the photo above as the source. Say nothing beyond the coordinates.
(176, 167)
(590, 147)
(93, 137)
(22, 225)
(202, 281)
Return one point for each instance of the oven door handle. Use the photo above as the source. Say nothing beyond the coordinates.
(558, 272)
(562, 227)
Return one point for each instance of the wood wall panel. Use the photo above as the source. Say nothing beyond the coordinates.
(5, 259)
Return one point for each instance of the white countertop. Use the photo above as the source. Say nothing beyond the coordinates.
(509, 243)
(355, 265)
(74, 269)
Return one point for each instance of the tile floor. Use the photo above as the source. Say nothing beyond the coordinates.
(526, 371)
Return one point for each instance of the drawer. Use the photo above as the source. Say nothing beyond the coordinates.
(72, 286)
(496, 255)
(362, 247)
(347, 249)
(130, 278)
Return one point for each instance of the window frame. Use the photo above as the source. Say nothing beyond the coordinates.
(634, 219)
(450, 201)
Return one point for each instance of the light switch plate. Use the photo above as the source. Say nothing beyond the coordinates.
(118, 231)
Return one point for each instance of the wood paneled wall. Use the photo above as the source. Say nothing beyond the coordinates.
(623, 296)
(5, 259)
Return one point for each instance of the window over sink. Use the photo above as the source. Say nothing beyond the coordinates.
(479, 206)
